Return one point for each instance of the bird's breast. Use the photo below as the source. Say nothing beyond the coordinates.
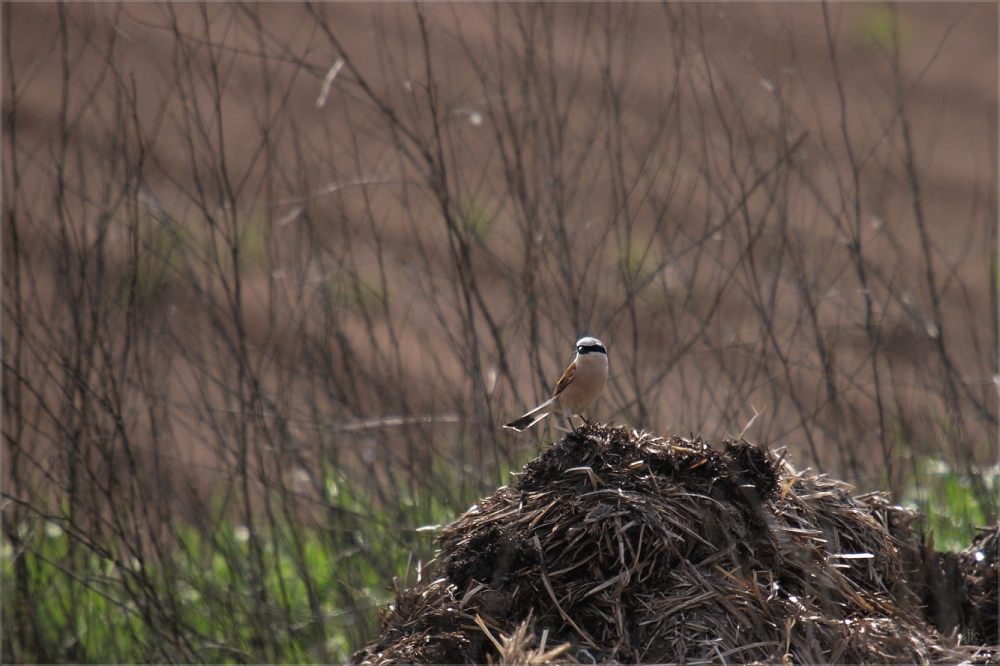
(588, 382)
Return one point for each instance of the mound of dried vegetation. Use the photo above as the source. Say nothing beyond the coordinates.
(617, 546)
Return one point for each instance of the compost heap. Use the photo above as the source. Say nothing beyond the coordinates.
(620, 547)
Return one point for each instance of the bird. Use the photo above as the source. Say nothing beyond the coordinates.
(578, 388)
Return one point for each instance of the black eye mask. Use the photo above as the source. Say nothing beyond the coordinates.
(591, 349)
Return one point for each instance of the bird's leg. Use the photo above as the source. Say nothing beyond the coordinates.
(569, 417)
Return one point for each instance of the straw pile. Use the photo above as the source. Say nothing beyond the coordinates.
(619, 547)
(978, 563)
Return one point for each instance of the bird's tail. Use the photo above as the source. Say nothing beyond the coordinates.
(532, 417)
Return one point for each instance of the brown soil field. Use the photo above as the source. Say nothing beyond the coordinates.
(250, 249)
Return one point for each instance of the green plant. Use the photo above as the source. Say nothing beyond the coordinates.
(322, 587)
(879, 26)
(476, 220)
(944, 497)
(157, 252)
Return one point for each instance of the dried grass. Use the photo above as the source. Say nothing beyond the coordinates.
(624, 547)
(979, 563)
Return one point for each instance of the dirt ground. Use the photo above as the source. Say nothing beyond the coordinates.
(758, 51)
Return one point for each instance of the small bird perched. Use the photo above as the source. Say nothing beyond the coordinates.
(578, 387)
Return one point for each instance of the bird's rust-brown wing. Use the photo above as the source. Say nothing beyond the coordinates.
(566, 378)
